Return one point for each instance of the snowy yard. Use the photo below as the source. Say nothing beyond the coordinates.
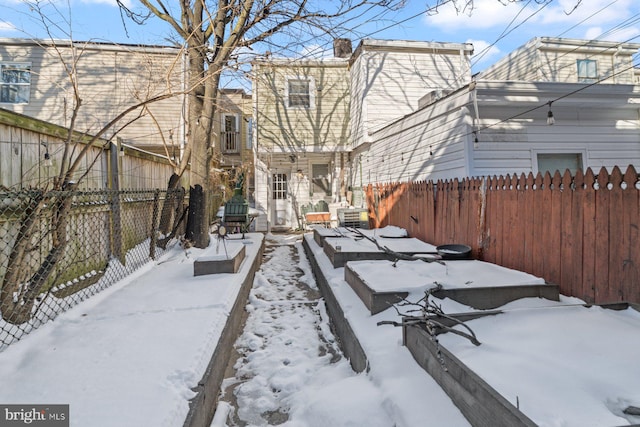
(131, 355)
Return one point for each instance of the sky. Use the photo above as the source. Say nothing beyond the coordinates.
(495, 27)
(152, 335)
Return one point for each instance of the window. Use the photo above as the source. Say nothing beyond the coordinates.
(249, 134)
(230, 133)
(320, 179)
(552, 162)
(587, 70)
(299, 93)
(15, 83)
(279, 186)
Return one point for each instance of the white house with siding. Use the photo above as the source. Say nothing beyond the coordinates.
(301, 137)
(313, 116)
(389, 77)
(498, 123)
(35, 81)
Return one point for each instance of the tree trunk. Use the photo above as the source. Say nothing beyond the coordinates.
(168, 207)
(195, 221)
(18, 295)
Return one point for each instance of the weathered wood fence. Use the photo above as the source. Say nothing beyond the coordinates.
(580, 232)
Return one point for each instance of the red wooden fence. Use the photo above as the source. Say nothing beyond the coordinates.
(580, 232)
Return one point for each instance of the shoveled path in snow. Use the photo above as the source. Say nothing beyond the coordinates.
(289, 369)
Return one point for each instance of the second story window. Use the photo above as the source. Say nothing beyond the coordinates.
(299, 93)
(587, 70)
(230, 138)
(15, 83)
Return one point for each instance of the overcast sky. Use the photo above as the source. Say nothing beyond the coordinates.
(495, 29)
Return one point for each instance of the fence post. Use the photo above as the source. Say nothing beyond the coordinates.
(114, 213)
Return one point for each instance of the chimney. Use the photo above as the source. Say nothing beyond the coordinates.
(342, 48)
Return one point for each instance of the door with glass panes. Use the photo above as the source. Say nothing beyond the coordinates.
(280, 197)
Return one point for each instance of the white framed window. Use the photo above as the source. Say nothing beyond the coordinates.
(280, 186)
(300, 92)
(320, 179)
(559, 161)
(587, 70)
(230, 135)
(15, 83)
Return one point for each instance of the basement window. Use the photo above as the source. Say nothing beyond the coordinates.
(552, 162)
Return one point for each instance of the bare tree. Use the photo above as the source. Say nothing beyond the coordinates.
(212, 33)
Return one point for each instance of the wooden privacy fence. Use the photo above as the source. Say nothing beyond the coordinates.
(580, 232)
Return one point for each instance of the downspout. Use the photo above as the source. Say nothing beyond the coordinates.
(614, 65)
(475, 128)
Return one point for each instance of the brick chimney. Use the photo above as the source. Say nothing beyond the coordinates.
(342, 48)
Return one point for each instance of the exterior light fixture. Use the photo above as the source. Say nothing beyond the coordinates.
(47, 157)
(121, 150)
(550, 119)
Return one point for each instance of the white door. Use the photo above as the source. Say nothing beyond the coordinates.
(281, 202)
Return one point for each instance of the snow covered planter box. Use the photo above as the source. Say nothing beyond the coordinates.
(478, 401)
(540, 363)
(216, 260)
(477, 284)
(341, 250)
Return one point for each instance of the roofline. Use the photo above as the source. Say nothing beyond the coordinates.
(300, 62)
(572, 45)
(91, 44)
(409, 46)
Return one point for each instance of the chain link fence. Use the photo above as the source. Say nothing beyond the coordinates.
(58, 248)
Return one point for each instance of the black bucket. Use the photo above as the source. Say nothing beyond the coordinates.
(454, 251)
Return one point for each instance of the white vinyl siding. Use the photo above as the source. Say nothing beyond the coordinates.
(283, 129)
(110, 79)
(389, 83)
(549, 59)
(428, 144)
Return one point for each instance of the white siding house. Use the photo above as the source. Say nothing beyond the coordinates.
(498, 126)
(301, 119)
(388, 78)
(110, 78)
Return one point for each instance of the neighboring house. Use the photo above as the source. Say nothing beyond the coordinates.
(390, 77)
(312, 114)
(498, 123)
(233, 125)
(110, 78)
(301, 136)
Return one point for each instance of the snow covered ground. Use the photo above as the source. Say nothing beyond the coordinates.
(291, 371)
(131, 355)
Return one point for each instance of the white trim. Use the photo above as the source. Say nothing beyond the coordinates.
(28, 65)
(536, 151)
(312, 92)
